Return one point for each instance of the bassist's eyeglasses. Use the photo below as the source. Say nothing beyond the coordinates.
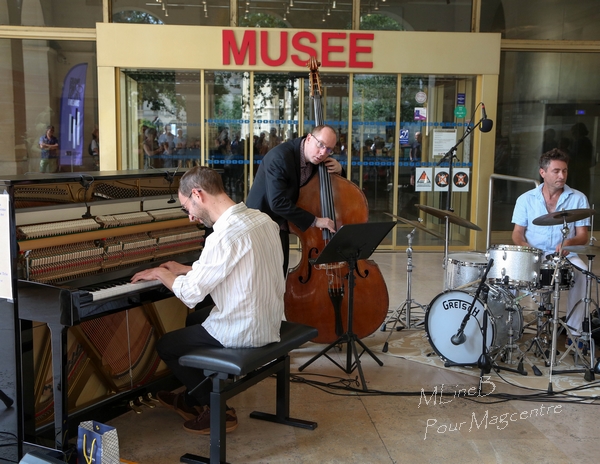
(322, 146)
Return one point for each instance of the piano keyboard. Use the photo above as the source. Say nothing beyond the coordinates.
(113, 289)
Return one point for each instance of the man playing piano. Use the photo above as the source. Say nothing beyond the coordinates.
(240, 268)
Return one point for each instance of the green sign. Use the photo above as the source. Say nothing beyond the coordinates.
(460, 111)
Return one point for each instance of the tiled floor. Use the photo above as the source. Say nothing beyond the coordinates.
(392, 426)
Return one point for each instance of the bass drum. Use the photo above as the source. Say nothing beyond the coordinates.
(447, 311)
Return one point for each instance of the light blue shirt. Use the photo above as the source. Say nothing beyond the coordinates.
(532, 205)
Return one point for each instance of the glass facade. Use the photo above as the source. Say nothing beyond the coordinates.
(541, 19)
(161, 110)
(301, 14)
(47, 82)
(189, 13)
(415, 15)
(230, 119)
(545, 100)
(51, 13)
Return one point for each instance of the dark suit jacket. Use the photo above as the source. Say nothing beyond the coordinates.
(276, 187)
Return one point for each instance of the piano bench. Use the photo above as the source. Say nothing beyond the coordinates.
(252, 365)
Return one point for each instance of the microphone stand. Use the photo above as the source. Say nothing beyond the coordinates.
(460, 337)
(450, 156)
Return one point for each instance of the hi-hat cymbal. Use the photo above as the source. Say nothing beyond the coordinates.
(589, 250)
(452, 217)
(569, 215)
(418, 225)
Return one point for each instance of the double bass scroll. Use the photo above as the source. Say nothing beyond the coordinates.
(316, 295)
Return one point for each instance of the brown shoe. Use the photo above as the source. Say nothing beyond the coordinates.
(201, 424)
(176, 402)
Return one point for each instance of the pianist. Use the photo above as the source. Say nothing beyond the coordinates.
(240, 267)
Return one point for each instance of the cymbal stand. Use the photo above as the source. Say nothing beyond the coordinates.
(556, 322)
(446, 244)
(405, 308)
(590, 366)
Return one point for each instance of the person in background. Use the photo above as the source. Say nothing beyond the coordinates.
(151, 148)
(95, 148)
(240, 268)
(49, 153)
(167, 141)
(180, 147)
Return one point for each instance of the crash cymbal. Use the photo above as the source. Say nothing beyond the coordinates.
(569, 215)
(418, 225)
(452, 217)
(583, 249)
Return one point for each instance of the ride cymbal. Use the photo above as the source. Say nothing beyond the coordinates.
(452, 217)
(558, 217)
(418, 225)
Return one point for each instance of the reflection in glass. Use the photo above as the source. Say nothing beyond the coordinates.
(373, 134)
(542, 20)
(38, 76)
(162, 115)
(300, 14)
(415, 15)
(227, 128)
(51, 13)
(190, 12)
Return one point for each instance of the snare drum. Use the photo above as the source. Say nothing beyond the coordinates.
(464, 268)
(565, 276)
(516, 265)
(447, 311)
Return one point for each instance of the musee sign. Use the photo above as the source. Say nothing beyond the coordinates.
(332, 49)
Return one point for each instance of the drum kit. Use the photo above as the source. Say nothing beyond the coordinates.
(477, 320)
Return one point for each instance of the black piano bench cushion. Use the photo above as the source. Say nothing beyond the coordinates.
(240, 361)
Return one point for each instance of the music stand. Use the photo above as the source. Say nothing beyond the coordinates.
(351, 243)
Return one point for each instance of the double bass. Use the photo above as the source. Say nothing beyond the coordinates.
(317, 295)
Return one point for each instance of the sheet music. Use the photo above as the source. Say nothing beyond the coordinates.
(5, 259)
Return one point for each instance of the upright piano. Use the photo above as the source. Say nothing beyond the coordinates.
(87, 332)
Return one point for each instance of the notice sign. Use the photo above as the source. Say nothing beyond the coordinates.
(441, 177)
(420, 114)
(443, 141)
(423, 179)
(461, 179)
(5, 261)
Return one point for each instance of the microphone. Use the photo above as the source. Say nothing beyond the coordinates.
(459, 337)
(486, 124)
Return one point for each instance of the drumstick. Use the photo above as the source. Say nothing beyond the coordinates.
(468, 284)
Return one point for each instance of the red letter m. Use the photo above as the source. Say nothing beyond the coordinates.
(239, 54)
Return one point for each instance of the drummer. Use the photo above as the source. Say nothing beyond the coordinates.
(551, 196)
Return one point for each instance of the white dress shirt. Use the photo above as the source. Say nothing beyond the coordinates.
(240, 267)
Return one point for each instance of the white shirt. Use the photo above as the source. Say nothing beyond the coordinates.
(240, 267)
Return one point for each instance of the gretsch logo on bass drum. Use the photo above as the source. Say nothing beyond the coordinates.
(456, 304)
